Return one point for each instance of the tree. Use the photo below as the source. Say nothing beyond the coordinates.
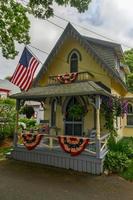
(130, 82)
(7, 78)
(128, 56)
(128, 59)
(14, 22)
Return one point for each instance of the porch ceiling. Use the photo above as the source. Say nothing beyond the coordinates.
(73, 89)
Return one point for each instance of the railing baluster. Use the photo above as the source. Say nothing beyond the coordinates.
(82, 76)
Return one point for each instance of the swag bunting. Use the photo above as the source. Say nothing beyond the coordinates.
(67, 78)
(73, 145)
(31, 141)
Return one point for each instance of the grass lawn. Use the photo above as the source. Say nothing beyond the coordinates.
(3, 151)
(128, 173)
(5, 147)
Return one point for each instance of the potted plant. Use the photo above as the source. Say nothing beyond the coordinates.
(76, 111)
(28, 111)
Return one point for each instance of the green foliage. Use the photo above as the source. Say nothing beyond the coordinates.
(128, 59)
(76, 111)
(111, 108)
(130, 82)
(124, 146)
(3, 151)
(128, 173)
(14, 22)
(116, 161)
(28, 111)
(14, 26)
(43, 9)
(30, 123)
(7, 118)
(119, 155)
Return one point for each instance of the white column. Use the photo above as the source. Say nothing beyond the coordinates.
(98, 102)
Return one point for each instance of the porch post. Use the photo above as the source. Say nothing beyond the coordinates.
(15, 140)
(98, 117)
(98, 145)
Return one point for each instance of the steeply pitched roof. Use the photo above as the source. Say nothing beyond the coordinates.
(104, 51)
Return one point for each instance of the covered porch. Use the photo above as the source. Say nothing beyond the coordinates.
(57, 100)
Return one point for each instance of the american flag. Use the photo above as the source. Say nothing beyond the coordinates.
(25, 70)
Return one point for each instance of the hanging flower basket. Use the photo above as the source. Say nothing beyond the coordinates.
(28, 111)
(76, 111)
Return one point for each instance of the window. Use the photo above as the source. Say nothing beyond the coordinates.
(130, 114)
(74, 63)
(130, 108)
(53, 113)
(72, 126)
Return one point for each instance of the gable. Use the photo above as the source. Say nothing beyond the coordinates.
(68, 33)
(61, 65)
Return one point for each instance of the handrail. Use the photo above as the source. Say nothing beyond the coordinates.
(104, 136)
(82, 76)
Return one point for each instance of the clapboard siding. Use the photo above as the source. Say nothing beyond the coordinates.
(58, 158)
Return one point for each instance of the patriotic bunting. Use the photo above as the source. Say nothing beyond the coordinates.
(73, 145)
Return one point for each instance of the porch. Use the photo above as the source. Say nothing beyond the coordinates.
(49, 151)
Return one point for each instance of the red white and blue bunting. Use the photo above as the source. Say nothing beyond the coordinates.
(31, 141)
(67, 78)
(73, 145)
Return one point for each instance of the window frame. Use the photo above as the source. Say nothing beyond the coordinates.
(130, 114)
(53, 112)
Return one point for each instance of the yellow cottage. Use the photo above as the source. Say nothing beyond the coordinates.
(78, 76)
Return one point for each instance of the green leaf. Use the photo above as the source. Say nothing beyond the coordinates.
(14, 22)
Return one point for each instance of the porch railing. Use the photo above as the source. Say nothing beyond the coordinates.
(97, 148)
(82, 76)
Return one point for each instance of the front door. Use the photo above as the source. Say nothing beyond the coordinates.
(73, 126)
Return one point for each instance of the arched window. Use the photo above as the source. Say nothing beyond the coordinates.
(130, 115)
(130, 108)
(74, 63)
(72, 126)
(53, 113)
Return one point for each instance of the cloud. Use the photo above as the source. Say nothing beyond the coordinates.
(110, 18)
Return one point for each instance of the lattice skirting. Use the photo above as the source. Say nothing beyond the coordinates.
(57, 158)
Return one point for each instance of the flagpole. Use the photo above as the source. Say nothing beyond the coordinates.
(33, 54)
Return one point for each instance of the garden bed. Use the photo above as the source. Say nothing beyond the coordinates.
(128, 173)
(5, 146)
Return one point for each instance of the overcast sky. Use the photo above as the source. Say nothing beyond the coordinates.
(112, 18)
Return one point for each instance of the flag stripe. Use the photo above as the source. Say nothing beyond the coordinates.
(20, 74)
(13, 76)
(25, 70)
(28, 86)
(29, 75)
(31, 78)
(16, 74)
(24, 75)
(28, 71)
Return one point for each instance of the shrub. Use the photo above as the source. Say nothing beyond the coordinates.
(7, 118)
(30, 123)
(124, 145)
(116, 161)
